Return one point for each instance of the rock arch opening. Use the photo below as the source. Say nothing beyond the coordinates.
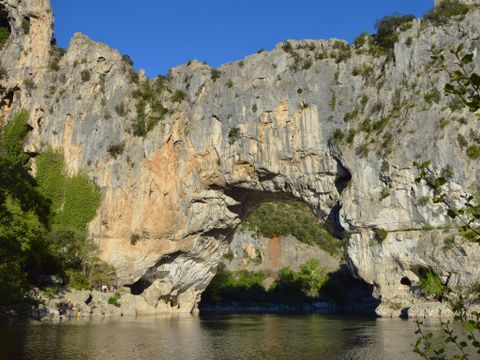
(279, 248)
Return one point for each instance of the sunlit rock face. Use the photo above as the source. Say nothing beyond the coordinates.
(263, 130)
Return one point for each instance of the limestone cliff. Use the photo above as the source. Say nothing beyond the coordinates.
(261, 128)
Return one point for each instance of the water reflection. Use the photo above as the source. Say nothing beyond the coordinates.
(212, 337)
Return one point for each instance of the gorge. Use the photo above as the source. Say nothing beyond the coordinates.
(181, 160)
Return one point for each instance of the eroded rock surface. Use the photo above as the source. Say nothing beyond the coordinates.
(263, 130)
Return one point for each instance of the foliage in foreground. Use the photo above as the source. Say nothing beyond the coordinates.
(457, 345)
(465, 85)
(287, 217)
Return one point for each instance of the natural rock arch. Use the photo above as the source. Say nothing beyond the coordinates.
(267, 126)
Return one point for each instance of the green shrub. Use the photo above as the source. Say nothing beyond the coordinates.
(333, 101)
(387, 35)
(312, 277)
(338, 135)
(121, 110)
(234, 133)
(462, 141)
(379, 125)
(54, 65)
(26, 26)
(387, 142)
(447, 9)
(473, 152)
(127, 60)
(116, 149)
(366, 126)
(77, 280)
(215, 74)
(288, 47)
(134, 238)
(449, 243)
(288, 217)
(361, 40)
(3, 72)
(307, 64)
(149, 94)
(424, 200)
(29, 85)
(115, 299)
(4, 35)
(377, 107)
(51, 291)
(433, 96)
(380, 234)
(178, 96)
(432, 285)
(133, 76)
(351, 115)
(363, 150)
(364, 70)
(442, 123)
(85, 75)
(350, 136)
(229, 255)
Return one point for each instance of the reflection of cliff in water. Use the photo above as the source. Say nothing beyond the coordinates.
(213, 337)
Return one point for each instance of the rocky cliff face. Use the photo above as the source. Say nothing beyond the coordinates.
(263, 128)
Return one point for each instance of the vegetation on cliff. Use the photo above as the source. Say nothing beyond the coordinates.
(42, 222)
(288, 217)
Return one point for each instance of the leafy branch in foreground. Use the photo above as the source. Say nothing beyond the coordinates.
(464, 82)
(463, 347)
(469, 212)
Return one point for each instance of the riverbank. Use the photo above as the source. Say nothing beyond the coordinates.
(86, 304)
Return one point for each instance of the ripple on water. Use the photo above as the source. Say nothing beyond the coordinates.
(251, 336)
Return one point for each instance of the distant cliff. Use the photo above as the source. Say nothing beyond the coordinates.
(181, 160)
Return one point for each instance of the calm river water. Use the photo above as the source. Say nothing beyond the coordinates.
(222, 337)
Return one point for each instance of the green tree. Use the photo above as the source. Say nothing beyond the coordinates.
(23, 220)
(387, 35)
(313, 277)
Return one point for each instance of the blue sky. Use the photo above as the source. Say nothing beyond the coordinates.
(160, 34)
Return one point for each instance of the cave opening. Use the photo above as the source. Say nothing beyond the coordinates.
(405, 281)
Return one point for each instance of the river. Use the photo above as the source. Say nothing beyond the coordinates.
(222, 337)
